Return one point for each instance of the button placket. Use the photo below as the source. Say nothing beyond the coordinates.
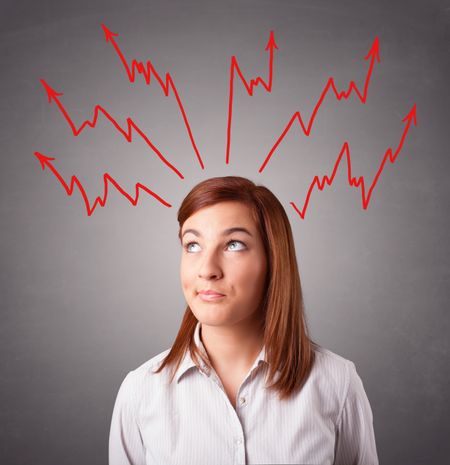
(240, 451)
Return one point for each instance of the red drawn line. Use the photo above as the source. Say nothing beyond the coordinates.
(373, 54)
(107, 179)
(147, 71)
(353, 181)
(271, 45)
(128, 134)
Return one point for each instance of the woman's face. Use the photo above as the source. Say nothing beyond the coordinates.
(223, 254)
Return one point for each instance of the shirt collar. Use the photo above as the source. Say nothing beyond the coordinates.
(188, 363)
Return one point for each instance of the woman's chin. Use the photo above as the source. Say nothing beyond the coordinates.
(211, 316)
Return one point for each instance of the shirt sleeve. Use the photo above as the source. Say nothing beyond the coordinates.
(125, 441)
(355, 442)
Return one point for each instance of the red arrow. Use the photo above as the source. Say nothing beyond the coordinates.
(128, 133)
(45, 161)
(353, 181)
(373, 54)
(148, 70)
(271, 45)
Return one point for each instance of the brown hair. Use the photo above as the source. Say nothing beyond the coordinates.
(287, 345)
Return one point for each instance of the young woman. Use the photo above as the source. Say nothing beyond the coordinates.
(243, 383)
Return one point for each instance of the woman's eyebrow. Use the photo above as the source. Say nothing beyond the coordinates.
(226, 232)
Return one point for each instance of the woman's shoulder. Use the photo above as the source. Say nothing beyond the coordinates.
(327, 359)
(139, 388)
(342, 387)
(332, 371)
(141, 377)
(148, 366)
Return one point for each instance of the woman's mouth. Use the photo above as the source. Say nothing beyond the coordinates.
(209, 296)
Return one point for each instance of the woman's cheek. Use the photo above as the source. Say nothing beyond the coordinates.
(185, 281)
(186, 284)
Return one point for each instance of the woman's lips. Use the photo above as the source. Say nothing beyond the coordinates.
(210, 296)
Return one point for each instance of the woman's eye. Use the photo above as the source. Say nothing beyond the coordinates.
(190, 247)
(194, 247)
(236, 245)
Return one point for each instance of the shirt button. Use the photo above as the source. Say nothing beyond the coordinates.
(242, 400)
(238, 441)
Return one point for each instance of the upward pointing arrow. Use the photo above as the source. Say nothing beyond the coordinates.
(271, 44)
(411, 116)
(51, 93)
(374, 52)
(109, 36)
(358, 182)
(249, 86)
(374, 55)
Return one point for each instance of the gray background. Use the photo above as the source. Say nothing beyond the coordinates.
(86, 299)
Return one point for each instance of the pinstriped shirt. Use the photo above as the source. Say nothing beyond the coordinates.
(192, 421)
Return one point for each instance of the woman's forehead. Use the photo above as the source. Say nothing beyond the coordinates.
(222, 216)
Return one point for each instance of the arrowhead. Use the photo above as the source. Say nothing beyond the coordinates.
(43, 159)
(108, 34)
(51, 93)
(411, 116)
(374, 51)
(271, 44)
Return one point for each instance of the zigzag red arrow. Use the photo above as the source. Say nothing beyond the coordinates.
(128, 134)
(271, 45)
(352, 87)
(107, 179)
(352, 181)
(148, 71)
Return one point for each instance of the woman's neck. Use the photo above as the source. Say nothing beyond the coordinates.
(232, 347)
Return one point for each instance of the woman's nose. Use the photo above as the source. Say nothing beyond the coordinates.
(210, 267)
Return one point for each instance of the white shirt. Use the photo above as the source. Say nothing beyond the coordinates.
(192, 421)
